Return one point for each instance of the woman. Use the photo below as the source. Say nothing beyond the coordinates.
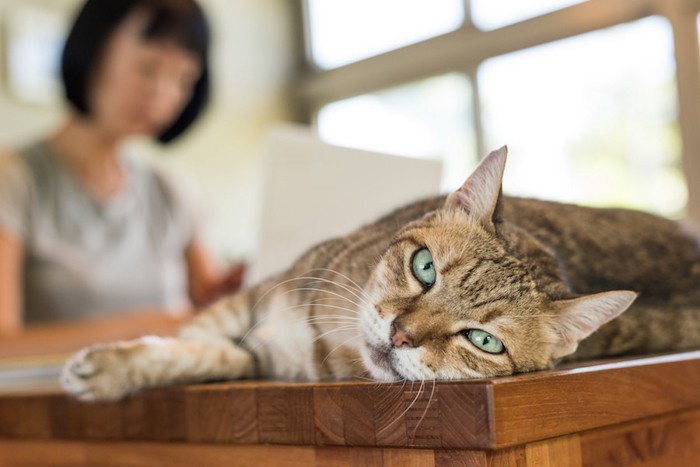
(85, 231)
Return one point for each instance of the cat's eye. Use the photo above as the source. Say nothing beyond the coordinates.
(485, 341)
(423, 269)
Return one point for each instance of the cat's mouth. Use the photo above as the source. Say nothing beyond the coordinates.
(381, 363)
(377, 350)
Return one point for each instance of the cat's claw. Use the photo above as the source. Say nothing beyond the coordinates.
(83, 367)
(95, 374)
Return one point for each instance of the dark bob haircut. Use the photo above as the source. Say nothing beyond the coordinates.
(179, 21)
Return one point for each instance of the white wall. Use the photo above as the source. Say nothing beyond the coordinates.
(252, 62)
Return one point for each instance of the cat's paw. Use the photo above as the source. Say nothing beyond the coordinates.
(98, 373)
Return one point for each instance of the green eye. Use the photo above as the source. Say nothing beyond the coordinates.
(485, 341)
(423, 268)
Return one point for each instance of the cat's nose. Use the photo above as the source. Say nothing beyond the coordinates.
(399, 336)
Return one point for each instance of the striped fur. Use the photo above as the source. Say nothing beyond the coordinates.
(551, 281)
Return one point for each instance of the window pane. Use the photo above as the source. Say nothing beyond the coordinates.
(492, 14)
(590, 119)
(35, 37)
(427, 119)
(344, 31)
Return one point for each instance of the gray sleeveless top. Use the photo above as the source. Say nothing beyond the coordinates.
(84, 257)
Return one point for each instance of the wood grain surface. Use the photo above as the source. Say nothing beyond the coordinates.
(469, 415)
(543, 405)
(671, 440)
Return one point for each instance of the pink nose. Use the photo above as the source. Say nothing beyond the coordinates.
(399, 337)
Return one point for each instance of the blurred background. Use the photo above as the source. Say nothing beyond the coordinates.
(598, 100)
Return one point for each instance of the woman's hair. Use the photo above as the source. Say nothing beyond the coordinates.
(180, 21)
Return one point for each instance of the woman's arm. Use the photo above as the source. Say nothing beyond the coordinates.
(11, 254)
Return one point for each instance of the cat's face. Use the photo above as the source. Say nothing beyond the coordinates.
(447, 310)
(449, 302)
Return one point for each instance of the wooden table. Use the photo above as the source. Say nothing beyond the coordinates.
(633, 412)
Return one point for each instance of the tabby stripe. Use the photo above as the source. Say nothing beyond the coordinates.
(367, 240)
(466, 277)
(320, 349)
(405, 238)
(407, 303)
(511, 361)
(491, 315)
(261, 359)
(473, 361)
(322, 363)
(484, 365)
(449, 267)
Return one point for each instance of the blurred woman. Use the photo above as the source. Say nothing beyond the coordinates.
(84, 229)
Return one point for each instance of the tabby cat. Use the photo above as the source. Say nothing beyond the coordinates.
(469, 285)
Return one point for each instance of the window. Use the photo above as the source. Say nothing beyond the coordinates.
(492, 14)
(599, 138)
(587, 99)
(429, 119)
(344, 31)
(35, 37)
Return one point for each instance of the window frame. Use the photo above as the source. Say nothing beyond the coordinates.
(464, 49)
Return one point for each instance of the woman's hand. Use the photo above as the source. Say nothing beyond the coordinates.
(207, 282)
(229, 282)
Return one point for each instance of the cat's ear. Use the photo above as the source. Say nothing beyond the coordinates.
(481, 193)
(578, 318)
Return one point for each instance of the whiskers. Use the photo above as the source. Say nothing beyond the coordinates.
(342, 344)
(406, 416)
(311, 292)
(427, 407)
(353, 289)
(355, 285)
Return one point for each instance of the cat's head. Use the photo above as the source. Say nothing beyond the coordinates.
(451, 301)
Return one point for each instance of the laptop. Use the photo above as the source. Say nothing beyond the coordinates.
(314, 191)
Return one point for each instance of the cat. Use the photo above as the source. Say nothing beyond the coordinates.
(473, 284)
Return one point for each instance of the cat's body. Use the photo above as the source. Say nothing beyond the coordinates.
(469, 285)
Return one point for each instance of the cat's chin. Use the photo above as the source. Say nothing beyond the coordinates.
(378, 365)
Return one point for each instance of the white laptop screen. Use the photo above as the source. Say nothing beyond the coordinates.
(313, 191)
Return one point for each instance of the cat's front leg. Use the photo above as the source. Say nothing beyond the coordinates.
(229, 318)
(115, 370)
